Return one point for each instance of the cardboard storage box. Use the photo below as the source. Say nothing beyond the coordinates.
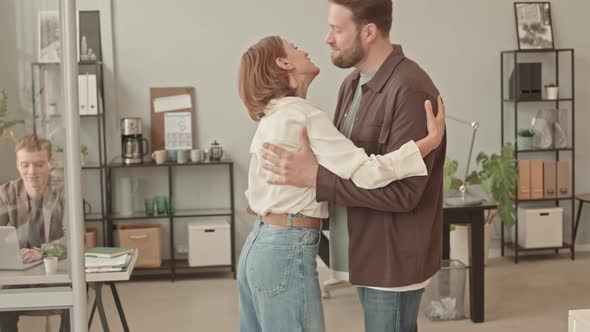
(147, 239)
(550, 179)
(563, 179)
(209, 243)
(537, 179)
(524, 179)
(90, 238)
(540, 228)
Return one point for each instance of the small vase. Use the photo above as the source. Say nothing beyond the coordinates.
(83, 159)
(50, 265)
(551, 92)
(524, 143)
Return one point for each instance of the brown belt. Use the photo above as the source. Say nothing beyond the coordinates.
(283, 220)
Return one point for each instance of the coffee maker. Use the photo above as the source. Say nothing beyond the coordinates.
(132, 147)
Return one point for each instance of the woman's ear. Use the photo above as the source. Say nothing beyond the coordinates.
(284, 63)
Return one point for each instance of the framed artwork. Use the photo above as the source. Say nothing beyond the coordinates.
(49, 36)
(89, 43)
(533, 25)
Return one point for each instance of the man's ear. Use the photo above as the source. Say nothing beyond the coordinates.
(284, 63)
(370, 32)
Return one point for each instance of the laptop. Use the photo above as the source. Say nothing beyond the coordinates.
(10, 258)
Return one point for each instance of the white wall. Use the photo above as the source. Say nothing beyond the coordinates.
(199, 43)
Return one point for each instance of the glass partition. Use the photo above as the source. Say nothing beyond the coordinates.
(41, 223)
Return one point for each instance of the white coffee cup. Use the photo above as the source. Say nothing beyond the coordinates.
(160, 156)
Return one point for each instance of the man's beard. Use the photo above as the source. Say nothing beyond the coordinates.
(350, 57)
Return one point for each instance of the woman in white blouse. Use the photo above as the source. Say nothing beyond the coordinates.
(277, 277)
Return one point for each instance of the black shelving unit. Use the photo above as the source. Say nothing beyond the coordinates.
(95, 68)
(513, 55)
(174, 267)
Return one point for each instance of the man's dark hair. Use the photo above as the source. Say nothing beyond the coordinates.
(378, 12)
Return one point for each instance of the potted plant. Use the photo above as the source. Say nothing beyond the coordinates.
(459, 237)
(51, 254)
(498, 177)
(524, 141)
(551, 91)
(83, 155)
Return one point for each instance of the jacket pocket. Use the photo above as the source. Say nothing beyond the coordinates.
(368, 139)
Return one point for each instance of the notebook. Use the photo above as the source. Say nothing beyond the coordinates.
(107, 252)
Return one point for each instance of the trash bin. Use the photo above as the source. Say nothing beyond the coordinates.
(444, 296)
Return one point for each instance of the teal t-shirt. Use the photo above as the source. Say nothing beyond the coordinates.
(339, 215)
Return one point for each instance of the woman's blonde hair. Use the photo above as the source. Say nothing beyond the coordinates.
(260, 78)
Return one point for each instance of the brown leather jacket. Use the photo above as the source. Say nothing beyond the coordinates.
(396, 231)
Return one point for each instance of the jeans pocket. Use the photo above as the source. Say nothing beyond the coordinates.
(312, 239)
(270, 267)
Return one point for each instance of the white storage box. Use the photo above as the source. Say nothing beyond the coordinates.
(540, 228)
(209, 243)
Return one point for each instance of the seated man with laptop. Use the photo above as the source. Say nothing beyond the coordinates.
(32, 207)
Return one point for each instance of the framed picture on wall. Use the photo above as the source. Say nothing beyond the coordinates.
(533, 25)
(49, 36)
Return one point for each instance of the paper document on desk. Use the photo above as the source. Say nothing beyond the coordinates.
(99, 262)
(104, 269)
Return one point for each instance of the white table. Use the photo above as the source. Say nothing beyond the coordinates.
(37, 276)
(110, 278)
(579, 320)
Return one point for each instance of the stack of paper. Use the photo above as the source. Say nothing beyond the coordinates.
(107, 252)
(106, 259)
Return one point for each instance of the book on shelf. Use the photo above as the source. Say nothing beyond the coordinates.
(107, 252)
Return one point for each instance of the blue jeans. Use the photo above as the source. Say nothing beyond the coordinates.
(387, 311)
(278, 281)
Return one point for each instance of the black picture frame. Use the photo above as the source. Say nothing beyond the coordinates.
(534, 29)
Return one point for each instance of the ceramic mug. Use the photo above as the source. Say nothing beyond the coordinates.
(160, 156)
(172, 155)
(182, 156)
(197, 155)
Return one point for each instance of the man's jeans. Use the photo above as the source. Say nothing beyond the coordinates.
(278, 281)
(387, 311)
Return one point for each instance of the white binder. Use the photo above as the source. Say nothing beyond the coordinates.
(92, 95)
(83, 94)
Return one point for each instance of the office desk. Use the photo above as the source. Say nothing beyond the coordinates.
(37, 276)
(474, 217)
(109, 278)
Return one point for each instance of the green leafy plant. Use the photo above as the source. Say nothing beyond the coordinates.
(498, 177)
(50, 250)
(450, 181)
(526, 133)
(59, 149)
(83, 149)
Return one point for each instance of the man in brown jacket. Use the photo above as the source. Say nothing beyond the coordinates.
(34, 205)
(395, 233)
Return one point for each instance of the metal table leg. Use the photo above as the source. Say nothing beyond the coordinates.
(119, 306)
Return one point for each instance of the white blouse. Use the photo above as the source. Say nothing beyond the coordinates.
(282, 125)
